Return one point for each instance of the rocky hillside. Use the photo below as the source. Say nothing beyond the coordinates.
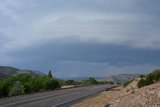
(6, 71)
(132, 96)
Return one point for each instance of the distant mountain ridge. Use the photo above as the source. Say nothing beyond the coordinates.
(7, 71)
(121, 78)
(82, 78)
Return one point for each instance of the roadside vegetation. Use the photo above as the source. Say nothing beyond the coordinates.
(149, 79)
(25, 84)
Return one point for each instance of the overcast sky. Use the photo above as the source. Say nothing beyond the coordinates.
(81, 37)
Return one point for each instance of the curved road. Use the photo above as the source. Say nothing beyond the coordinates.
(57, 98)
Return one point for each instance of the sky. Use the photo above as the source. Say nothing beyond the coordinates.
(76, 38)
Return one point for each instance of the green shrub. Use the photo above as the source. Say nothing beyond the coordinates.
(25, 83)
(90, 81)
(17, 89)
(51, 84)
(127, 83)
(141, 83)
(28, 88)
(1, 89)
(70, 82)
(150, 79)
(142, 76)
(37, 84)
(107, 105)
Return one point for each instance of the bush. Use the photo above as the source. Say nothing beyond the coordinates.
(1, 89)
(70, 82)
(90, 81)
(127, 83)
(37, 84)
(17, 89)
(150, 79)
(28, 88)
(25, 83)
(142, 76)
(107, 105)
(51, 84)
(141, 83)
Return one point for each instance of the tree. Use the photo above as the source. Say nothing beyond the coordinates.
(17, 89)
(127, 83)
(141, 83)
(25, 83)
(1, 89)
(28, 87)
(37, 84)
(50, 83)
(150, 79)
(89, 81)
(50, 74)
(93, 81)
(70, 82)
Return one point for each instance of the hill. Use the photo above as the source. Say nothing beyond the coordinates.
(121, 78)
(82, 78)
(7, 71)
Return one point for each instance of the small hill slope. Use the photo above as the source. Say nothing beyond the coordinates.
(7, 71)
(121, 78)
(148, 96)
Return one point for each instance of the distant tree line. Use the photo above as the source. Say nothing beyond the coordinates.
(89, 81)
(149, 79)
(25, 84)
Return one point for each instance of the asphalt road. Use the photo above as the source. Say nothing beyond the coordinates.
(57, 98)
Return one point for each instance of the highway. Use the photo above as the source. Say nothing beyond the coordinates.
(56, 98)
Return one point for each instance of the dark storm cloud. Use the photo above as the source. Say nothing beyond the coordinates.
(81, 37)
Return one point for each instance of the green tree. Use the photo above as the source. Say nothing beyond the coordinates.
(127, 83)
(141, 83)
(70, 82)
(28, 87)
(89, 81)
(37, 84)
(92, 80)
(23, 78)
(156, 75)
(150, 79)
(50, 83)
(50, 74)
(17, 89)
(1, 89)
